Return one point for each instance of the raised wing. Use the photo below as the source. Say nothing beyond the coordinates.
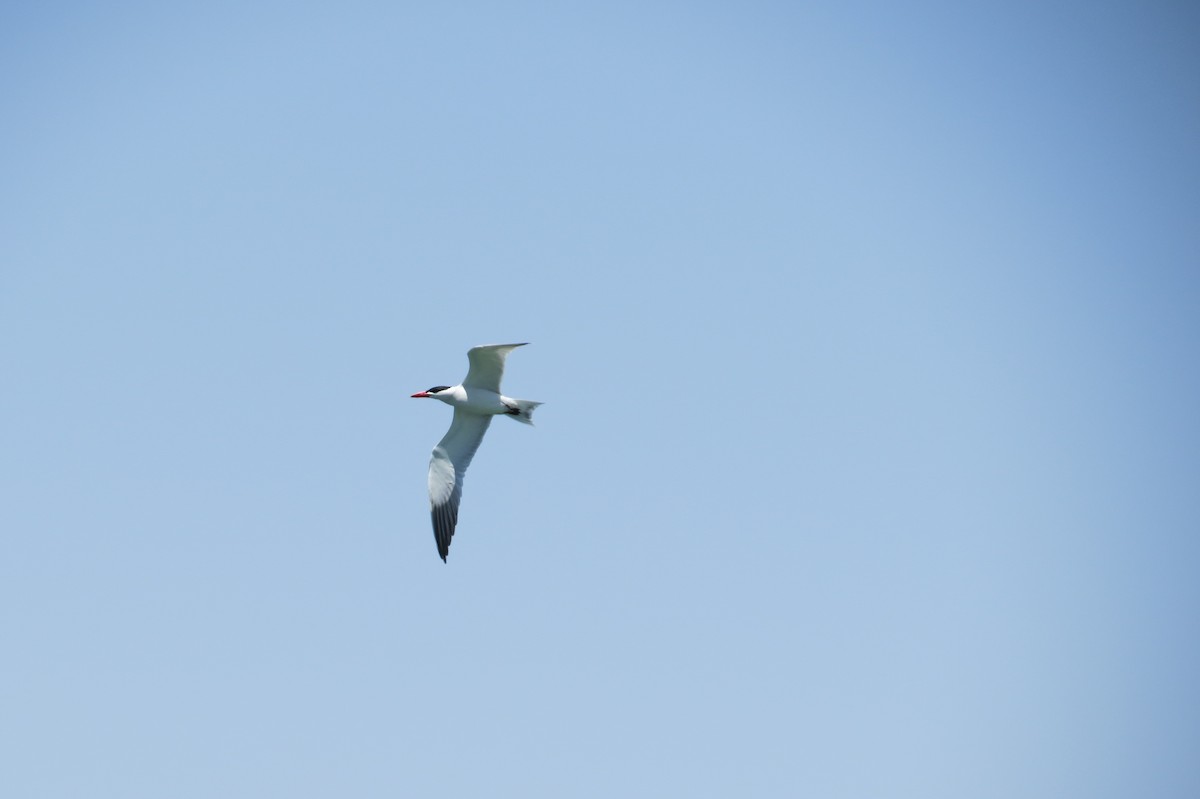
(487, 365)
(449, 463)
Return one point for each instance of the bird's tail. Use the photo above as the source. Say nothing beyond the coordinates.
(524, 411)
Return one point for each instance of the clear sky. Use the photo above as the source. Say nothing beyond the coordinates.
(869, 464)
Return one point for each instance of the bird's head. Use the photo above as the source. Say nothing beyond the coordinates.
(430, 392)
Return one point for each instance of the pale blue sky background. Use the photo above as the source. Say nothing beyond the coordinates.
(867, 334)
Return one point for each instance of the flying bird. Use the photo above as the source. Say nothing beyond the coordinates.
(475, 401)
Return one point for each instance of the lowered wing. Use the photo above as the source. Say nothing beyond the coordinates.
(449, 463)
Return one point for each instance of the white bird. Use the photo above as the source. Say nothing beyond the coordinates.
(476, 400)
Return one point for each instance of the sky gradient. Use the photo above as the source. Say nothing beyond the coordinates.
(868, 341)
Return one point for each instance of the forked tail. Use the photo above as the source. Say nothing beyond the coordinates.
(524, 410)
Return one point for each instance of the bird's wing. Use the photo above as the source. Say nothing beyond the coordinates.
(487, 365)
(449, 463)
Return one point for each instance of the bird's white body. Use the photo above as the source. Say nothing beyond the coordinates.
(475, 401)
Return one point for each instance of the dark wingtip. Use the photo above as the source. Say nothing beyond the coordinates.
(444, 518)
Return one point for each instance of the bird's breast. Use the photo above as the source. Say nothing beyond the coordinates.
(481, 401)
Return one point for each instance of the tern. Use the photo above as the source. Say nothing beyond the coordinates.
(475, 401)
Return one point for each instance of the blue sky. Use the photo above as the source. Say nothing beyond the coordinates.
(868, 341)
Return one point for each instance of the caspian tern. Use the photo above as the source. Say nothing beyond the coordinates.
(476, 400)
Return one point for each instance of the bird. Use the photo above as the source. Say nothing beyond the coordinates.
(475, 401)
